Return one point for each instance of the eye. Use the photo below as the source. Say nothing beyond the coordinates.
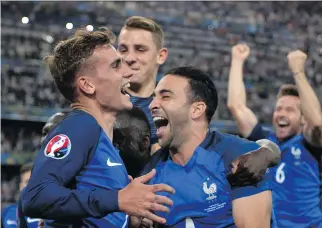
(116, 64)
(122, 49)
(166, 97)
(141, 49)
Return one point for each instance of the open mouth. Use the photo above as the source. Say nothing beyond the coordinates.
(283, 123)
(160, 123)
(126, 85)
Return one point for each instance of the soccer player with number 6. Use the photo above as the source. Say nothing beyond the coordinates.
(297, 120)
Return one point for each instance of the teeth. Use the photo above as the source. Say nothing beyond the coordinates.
(126, 85)
(158, 118)
(282, 122)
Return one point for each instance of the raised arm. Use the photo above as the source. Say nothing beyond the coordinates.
(245, 118)
(310, 104)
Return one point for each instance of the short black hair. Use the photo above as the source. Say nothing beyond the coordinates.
(202, 87)
(131, 135)
(134, 117)
(52, 122)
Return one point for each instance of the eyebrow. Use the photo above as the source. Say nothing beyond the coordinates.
(162, 91)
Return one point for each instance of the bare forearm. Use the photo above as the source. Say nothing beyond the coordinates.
(236, 86)
(310, 104)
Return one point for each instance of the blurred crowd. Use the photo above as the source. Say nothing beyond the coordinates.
(198, 33)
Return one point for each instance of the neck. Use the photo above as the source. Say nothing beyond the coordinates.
(104, 118)
(145, 89)
(182, 154)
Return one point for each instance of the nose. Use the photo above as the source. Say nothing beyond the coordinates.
(154, 105)
(127, 71)
(130, 58)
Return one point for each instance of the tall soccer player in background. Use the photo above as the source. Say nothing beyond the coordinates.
(297, 120)
(196, 160)
(79, 178)
(140, 43)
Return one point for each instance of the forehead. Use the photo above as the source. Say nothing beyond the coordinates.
(132, 36)
(288, 101)
(104, 54)
(174, 83)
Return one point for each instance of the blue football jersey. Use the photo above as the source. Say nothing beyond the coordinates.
(296, 182)
(11, 218)
(81, 172)
(203, 195)
(143, 103)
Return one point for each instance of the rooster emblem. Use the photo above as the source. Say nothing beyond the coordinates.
(58, 147)
(210, 191)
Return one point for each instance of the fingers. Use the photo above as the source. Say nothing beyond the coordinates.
(163, 200)
(146, 222)
(149, 215)
(145, 178)
(130, 178)
(162, 188)
(157, 207)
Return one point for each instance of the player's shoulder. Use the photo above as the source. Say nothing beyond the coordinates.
(78, 122)
(232, 142)
(78, 126)
(79, 119)
(9, 212)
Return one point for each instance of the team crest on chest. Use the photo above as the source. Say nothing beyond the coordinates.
(210, 190)
(58, 147)
(297, 154)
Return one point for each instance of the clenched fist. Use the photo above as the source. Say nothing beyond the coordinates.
(296, 61)
(240, 52)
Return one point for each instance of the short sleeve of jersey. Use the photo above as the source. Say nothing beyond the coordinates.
(258, 133)
(236, 147)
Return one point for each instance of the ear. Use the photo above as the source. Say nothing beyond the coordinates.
(146, 142)
(163, 54)
(85, 85)
(303, 121)
(198, 109)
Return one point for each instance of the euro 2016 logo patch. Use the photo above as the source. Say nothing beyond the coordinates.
(58, 147)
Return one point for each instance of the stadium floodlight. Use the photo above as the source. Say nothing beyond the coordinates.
(89, 27)
(25, 20)
(69, 25)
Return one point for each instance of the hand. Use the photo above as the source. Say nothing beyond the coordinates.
(41, 223)
(139, 199)
(240, 52)
(136, 222)
(296, 61)
(250, 168)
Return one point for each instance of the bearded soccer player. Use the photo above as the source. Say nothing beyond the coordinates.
(140, 43)
(79, 178)
(196, 160)
(297, 120)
